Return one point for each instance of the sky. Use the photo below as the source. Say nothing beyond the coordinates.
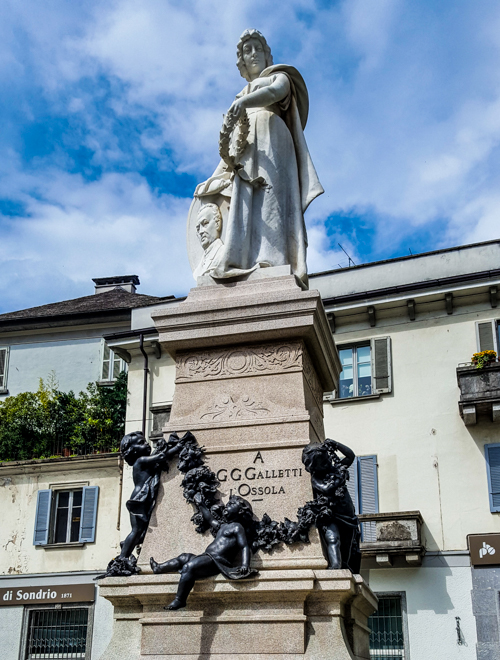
(110, 114)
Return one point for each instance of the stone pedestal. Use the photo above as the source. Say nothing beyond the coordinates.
(252, 362)
(281, 615)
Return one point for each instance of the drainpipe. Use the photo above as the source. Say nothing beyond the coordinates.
(145, 392)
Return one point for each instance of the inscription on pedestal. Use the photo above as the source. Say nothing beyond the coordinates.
(257, 481)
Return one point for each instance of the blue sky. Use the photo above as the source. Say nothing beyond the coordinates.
(111, 111)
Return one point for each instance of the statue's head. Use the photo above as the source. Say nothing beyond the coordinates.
(208, 224)
(133, 446)
(315, 458)
(238, 509)
(253, 53)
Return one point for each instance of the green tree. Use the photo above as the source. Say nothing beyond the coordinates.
(50, 422)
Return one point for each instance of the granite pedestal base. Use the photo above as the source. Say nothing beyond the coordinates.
(280, 615)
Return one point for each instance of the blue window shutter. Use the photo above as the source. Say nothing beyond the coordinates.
(368, 493)
(42, 517)
(492, 455)
(352, 484)
(89, 514)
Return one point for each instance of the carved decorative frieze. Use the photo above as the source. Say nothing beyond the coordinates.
(226, 409)
(236, 361)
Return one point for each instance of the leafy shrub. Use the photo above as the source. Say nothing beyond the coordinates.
(483, 358)
(49, 422)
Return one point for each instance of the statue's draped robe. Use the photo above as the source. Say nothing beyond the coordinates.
(265, 225)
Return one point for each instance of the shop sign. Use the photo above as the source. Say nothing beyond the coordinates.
(484, 549)
(57, 593)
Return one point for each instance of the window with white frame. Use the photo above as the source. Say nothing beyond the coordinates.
(366, 368)
(4, 363)
(112, 364)
(62, 632)
(66, 515)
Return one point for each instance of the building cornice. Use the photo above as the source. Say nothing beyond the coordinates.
(92, 461)
(404, 290)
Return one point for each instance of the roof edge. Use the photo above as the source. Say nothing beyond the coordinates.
(405, 258)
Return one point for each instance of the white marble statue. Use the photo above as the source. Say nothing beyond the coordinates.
(208, 229)
(266, 174)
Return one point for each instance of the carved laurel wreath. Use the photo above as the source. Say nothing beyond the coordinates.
(228, 126)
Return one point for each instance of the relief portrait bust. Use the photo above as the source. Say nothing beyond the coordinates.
(208, 230)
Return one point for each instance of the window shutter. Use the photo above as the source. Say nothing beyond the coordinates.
(116, 360)
(89, 514)
(3, 368)
(42, 517)
(486, 336)
(352, 484)
(106, 360)
(381, 365)
(492, 455)
(368, 493)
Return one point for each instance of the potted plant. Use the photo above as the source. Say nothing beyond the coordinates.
(483, 359)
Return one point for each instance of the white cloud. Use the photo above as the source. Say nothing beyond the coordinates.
(404, 126)
(78, 230)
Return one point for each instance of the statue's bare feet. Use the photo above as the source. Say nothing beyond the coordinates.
(154, 565)
(176, 604)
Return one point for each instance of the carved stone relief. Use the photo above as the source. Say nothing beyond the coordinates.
(227, 408)
(394, 531)
(234, 362)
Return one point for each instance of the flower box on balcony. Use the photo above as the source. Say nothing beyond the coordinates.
(479, 392)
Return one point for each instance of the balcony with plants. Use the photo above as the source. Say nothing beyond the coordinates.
(479, 383)
(50, 424)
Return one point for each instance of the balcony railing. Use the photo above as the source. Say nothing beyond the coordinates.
(56, 449)
(396, 535)
(479, 392)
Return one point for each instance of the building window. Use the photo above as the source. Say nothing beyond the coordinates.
(492, 456)
(356, 376)
(66, 516)
(58, 633)
(366, 368)
(112, 364)
(387, 638)
(363, 489)
(160, 413)
(4, 363)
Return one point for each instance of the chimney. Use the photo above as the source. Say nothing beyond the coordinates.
(125, 282)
